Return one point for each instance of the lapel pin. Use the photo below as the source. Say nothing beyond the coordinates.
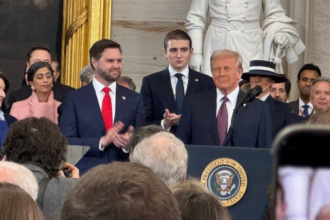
(123, 97)
(244, 104)
(196, 80)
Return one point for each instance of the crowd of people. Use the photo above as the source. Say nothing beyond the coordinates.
(176, 106)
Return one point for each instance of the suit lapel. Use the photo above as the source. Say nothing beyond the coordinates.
(93, 106)
(164, 83)
(210, 106)
(272, 105)
(193, 82)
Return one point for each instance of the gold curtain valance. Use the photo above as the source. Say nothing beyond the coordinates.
(84, 23)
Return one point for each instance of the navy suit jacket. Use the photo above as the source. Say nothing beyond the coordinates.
(81, 121)
(281, 115)
(198, 125)
(158, 94)
(295, 106)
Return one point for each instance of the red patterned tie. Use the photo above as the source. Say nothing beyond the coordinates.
(107, 109)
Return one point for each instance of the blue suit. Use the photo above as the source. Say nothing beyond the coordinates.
(81, 121)
(281, 115)
(158, 94)
(198, 125)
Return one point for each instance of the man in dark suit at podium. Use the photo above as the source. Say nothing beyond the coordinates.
(102, 113)
(164, 92)
(39, 52)
(206, 117)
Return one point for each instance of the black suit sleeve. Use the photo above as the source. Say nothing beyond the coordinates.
(148, 102)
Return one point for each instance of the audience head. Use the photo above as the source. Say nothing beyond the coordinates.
(40, 77)
(56, 68)
(4, 87)
(20, 176)
(106, 60)
(15, 203)
(178, 49)
(126, 82)
(281, 91)
(324, 213)
(321, 118)
(306, 75)
(320, 94)
(120, 191)
(164, 154)
(141, 133)
(38, 142)
(226, 64)
(196, 203)
(86, 75)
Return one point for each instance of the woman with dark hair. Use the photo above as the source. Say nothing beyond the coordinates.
(5, 119)
(15, 203)
(41, 103)
(39, 145)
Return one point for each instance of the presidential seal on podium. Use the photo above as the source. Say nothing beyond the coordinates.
(226, 179)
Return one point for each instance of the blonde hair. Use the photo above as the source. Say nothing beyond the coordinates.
(225, 54)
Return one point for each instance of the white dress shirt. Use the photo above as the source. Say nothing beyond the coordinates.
(231, 103)
(301, 108)
(100, 94)
(2, 116)
(174, 81)
(264, 97)
(98, 87)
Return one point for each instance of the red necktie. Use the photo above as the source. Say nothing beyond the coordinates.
(222, 120)
(107, 109)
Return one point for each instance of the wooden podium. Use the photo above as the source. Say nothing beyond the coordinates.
(257, 164)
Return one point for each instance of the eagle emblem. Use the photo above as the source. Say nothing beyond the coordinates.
(224, 179)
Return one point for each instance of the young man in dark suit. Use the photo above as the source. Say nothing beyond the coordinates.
(102, 113)
(306, 75)
(206, 117)
(164, 92)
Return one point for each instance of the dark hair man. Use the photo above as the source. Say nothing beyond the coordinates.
(120, 191)
(306, 75)
(38, 52)
(102, 113)
(164, 92)
(206, 117)
(281, 91)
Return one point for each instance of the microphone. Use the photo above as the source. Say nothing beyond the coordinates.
(254, 92)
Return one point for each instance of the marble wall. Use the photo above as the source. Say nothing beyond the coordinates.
(140, 26)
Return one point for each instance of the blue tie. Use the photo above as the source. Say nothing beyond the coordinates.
(305, 112)
(179, 96)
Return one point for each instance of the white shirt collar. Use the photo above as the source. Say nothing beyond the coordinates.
(99, 86)
(232, 97)
(2, 116)
(301, 103)
(184, 72)
(264, 97)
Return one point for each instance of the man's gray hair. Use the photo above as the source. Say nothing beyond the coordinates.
(165, 155)
(87, 74)
(19, 175)
(320, 79)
